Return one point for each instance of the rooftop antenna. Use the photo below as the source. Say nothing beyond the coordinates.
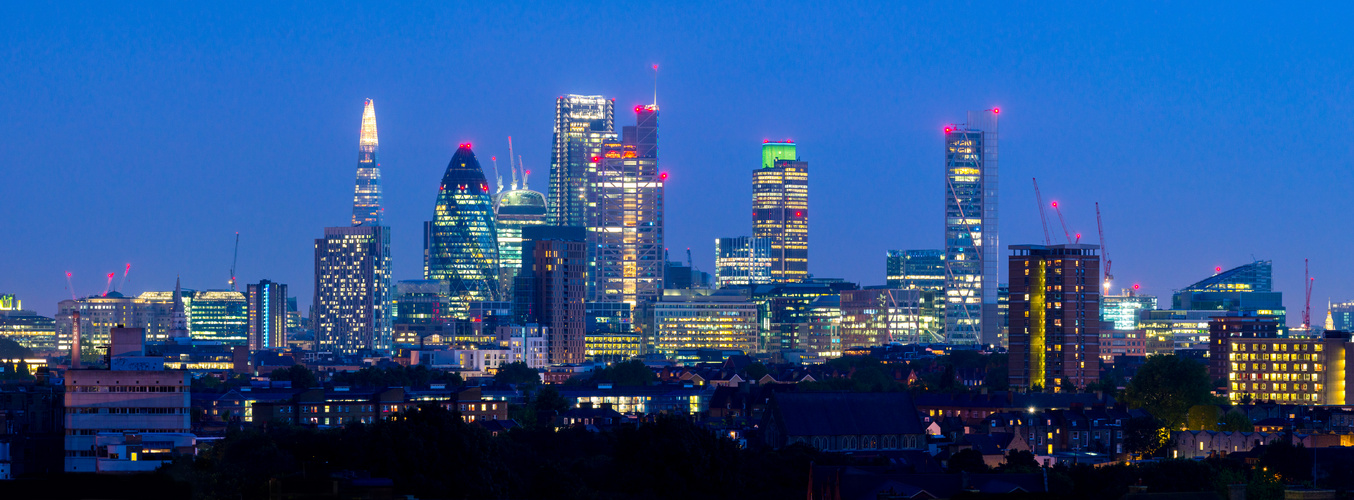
(512, 155)
(497, 176)
(69, 286)
(655, 85)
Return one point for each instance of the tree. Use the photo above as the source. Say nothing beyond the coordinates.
(969, 460)
(1020, 462)
(517, 373)
(756, 371)
(1292, 463)
(1167, 386)
(1203, 418)
(10, 349)
(1235, 421)
(299, 376)
(1144, 435)
(627, 374)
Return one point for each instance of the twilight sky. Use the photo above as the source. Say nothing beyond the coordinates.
(150, 134)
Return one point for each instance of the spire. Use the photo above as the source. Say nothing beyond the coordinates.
(368, 141)
(1330, 321)
(179, 326)
(367, 209)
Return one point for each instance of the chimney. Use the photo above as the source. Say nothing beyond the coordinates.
(75, 339)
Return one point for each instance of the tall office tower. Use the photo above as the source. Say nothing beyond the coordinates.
(780, 210)
(582, 124)
(352, 290)
(551, 286)
(1055, 316)
(625, 215)
(460, 243)
(742, 261)
(367, 209)
(515, 209)
(267, 315)
(971, 267)
(1341, 316)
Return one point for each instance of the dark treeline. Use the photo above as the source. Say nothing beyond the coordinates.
(432, 453)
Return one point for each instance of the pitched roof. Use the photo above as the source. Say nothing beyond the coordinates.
(839, 414)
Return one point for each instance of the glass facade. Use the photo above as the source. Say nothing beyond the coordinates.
(514, 210)
(780, 210)
(461, 242)
(742, 261)
(971, 229)
(1124, 310)
(28, 329)
(367, 193)
(625, 215)
(698, 319)
(582, 124)
(874, 317)
(221, 316)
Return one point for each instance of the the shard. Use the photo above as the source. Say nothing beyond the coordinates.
(367, 193)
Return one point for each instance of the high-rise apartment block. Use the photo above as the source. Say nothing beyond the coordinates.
(582, 124)
(461, 242)
(971, 262)
(624, 215)
(1223, 329)
(1055, 316)
(353, 306)
(780, 210)
(267, 315)
(1309, 371)
(743, 260)
(551, 286)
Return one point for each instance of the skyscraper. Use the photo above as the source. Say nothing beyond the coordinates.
(1055, 316)
(367, 209)
(352, 290)
(624, 215)
(267, 315)
(460, 243)
(742, 261)
(551, 286)
(352, 305)
(582, 124)
(515, 209)
(971, 267)
(780, 210)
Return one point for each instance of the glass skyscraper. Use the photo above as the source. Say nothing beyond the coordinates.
(971, 267)
(352, 304)
(582, 124)
(780, 210)
(743, 260)
(625, 215)
(461, 242)
(367, 193)
(267, 315)
(515, 209)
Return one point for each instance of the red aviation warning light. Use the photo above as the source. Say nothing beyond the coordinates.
(663, 176)
(949, 129)
(996, 111)
(799, 213)
(1217, 269)
(1136, 287)
(596, 159)
(639, 108)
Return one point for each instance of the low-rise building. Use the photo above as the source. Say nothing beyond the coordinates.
(844, 422)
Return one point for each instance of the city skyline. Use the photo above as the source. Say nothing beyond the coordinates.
(197, 206)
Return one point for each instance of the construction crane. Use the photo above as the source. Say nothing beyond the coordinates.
(1039, 199)
(688, 258)
(1104, 250)
(234, 260)
(1307, 304)
(1066, 234)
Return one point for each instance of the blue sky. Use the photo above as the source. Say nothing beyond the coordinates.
(1210, 134)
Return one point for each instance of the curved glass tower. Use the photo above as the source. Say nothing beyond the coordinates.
(516, 209)
(367, 194)
(460, 243)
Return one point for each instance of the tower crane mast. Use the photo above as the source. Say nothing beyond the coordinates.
(1039, 199)
(234, 260)
(1104, 249)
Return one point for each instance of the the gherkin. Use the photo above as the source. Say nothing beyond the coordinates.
(461, 243)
